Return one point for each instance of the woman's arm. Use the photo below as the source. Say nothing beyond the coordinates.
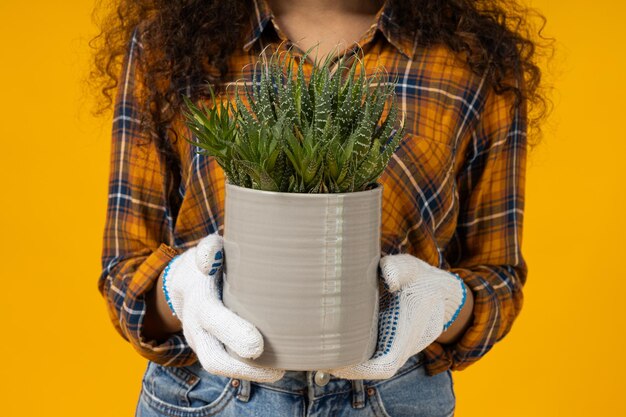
(137, 240)
(462, 322)
(159, 322)
(486, 248)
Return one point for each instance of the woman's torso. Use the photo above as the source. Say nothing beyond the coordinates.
(420, 198)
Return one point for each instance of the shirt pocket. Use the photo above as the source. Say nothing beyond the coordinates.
(179, 391)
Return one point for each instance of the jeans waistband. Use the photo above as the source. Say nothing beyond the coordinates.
(303, 382)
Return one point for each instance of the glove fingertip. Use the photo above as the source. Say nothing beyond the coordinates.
(253, 347)
(211, 239)
(390, 274)
(247, 342)
(210, 254)
(273, 376)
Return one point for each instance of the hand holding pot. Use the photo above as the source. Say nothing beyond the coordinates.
(420, 303)
(192, 282)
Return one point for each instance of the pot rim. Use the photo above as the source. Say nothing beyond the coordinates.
(374, 190)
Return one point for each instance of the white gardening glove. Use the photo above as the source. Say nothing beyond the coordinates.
(419, 302)
(192, 282)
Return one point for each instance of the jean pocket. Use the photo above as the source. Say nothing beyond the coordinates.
(412, 392)
(180, 391)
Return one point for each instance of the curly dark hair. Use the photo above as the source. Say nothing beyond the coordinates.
(190, 42)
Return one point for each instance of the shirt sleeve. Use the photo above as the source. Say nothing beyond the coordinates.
(137, 240)
(486, 248)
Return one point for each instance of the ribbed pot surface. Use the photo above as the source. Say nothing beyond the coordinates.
(303, 269)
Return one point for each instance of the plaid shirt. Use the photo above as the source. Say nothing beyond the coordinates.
(453, 191)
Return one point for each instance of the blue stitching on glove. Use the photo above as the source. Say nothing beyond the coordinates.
(167, 295)
(388, 324)
(458, 310)
(216, 265)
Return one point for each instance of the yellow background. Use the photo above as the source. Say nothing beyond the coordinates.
(60, 355)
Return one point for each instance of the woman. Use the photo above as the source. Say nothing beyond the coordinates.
(453, 203)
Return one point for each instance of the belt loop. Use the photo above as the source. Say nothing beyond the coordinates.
(358, 394)
(243, 392)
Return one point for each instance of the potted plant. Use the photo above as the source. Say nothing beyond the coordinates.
(302, 204)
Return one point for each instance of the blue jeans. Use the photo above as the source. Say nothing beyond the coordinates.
(193, 392)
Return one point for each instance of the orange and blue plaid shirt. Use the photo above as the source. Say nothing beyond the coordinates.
(453, 191)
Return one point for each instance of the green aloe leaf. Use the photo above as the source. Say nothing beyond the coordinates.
(323, 134)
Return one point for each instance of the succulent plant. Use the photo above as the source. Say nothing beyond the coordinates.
(324, 134)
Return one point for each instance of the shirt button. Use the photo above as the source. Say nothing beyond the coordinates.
(321, 378)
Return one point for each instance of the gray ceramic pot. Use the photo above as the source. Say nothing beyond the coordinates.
(303, 268)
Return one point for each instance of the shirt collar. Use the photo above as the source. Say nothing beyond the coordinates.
(261, 15)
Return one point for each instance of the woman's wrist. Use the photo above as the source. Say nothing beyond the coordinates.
(462, 322)
(159, 323)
